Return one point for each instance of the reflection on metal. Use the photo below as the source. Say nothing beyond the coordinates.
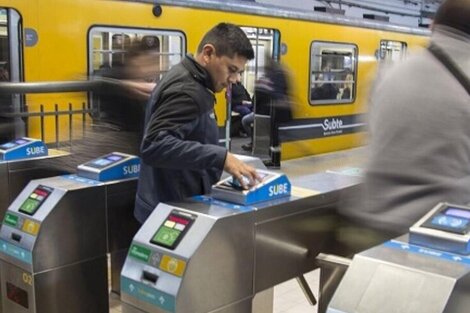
(287, 247)
(400, 277)
(50, 87)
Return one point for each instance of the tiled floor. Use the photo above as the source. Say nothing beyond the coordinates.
(289, 298)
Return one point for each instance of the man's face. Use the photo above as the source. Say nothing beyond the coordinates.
(225, 70)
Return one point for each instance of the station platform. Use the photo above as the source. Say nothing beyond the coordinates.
(288, 296)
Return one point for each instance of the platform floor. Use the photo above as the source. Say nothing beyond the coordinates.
(288, 296)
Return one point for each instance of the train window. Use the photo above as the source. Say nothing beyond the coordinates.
(332, 73)
(10, 52)
(111, 46)
(265, 42)
(4, 47)
(10, 71)
(391, 51)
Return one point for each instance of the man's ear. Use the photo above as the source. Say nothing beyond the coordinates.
(208, 51)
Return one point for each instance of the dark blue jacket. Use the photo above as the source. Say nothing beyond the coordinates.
(180, 152)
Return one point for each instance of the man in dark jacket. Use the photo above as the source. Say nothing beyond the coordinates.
(180, 152)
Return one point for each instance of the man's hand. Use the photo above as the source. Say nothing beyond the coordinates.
(238, 169)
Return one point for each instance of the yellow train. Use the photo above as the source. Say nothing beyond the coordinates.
(50, 40)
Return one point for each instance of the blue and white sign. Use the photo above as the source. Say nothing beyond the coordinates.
(273, 186)
(16, 252)
(146, 294)
(22, 148)
(410, 248)
(112, 166)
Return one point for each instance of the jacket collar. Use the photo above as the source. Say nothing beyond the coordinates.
(198, 72)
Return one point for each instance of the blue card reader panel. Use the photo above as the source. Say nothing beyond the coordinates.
(272, 186)
(112, 166)
(450, 219)
(22, 148)
(446, 227)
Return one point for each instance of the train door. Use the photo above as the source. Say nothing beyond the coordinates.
(266, 44)
(10, 71)
(391, 51)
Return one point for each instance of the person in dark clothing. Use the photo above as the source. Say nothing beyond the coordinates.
(241, 100)
(272, 98)
(180, 152)
(119, 106)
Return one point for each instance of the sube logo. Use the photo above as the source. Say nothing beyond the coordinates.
(278, 189)
(34, 150)
(131, 169)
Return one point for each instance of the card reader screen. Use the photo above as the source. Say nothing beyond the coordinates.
(173, 229)
(458, 213)
(8, 145)
(35, 199)
(13, 144)
(105, 161)
(450, 219)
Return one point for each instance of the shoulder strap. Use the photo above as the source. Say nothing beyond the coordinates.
(450, 65)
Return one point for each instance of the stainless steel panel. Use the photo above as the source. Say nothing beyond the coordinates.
(76, 288)
(288, 238)
(388, 280)
(5, 194)
(75, 230)
(221, 270)
(21, 279)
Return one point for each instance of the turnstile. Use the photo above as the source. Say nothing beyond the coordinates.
(56, 234)
(210, 255)
(425, 271)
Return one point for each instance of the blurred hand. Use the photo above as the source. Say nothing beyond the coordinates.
(238, 169)
(141, 90)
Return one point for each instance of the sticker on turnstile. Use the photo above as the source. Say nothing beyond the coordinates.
(173, 229)
(172, 265)
(35, 199)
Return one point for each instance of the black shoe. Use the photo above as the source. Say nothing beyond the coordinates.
(247, 147)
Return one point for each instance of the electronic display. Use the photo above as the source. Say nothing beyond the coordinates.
(450, 219)
(21, 141)
(458, 212)
(8, 145)
(17, 295)
(13, 144)
(35, 199)
(173, 229)
(105, 161)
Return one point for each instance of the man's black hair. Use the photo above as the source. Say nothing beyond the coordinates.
(454, 13)
(228, 40)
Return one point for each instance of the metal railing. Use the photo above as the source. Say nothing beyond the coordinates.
(21, 111)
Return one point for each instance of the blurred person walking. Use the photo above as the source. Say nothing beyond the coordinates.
(419, 151)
